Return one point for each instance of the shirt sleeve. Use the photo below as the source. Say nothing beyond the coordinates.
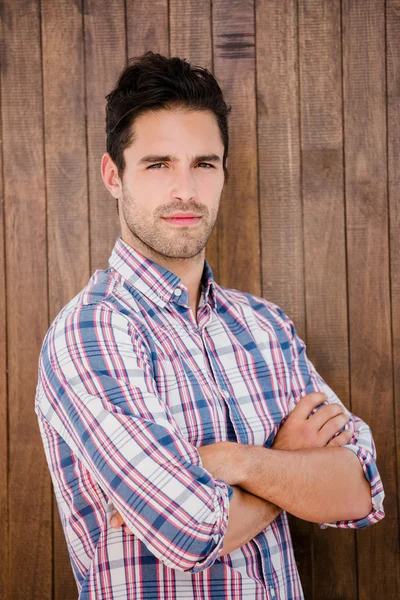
(304, 380)
(101, 398)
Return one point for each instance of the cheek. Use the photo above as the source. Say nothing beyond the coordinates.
(155, 191)
(209, 185)
(147, 193)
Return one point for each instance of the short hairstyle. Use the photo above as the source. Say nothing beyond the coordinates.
(153, 82)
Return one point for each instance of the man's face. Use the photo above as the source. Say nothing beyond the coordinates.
(183, 184)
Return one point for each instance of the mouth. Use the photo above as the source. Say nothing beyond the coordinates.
(186, 221)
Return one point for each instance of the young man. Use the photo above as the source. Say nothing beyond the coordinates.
(184, 411)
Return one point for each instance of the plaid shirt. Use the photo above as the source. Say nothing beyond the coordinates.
(129, 386)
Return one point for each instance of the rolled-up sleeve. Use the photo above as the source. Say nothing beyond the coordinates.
(101, 398)
(304, 380)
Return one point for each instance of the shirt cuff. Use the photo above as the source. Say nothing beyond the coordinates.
(377, 494)
(221, 508)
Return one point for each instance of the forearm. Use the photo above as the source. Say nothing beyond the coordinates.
(322, 485)
(248, 515)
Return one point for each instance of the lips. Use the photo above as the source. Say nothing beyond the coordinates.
(183, 216)
(183, 219)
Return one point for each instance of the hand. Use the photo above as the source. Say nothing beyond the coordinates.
(117, 521)
(300, 430)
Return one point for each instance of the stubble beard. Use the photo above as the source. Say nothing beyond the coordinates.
(162, 238)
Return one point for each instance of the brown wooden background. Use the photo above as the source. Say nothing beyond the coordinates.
(310, 220)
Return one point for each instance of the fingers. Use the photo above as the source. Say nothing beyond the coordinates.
(333, 426)
(325, 413)
(307, 404)
(117, 521)
(342, 439)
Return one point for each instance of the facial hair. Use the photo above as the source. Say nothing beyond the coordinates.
(160, 237)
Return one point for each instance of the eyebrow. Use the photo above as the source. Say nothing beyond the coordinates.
(154, 158)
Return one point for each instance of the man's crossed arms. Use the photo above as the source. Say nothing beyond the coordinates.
(307, 472)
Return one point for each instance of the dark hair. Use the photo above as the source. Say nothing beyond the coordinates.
(153, 82)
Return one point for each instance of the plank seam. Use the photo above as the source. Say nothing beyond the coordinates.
(347, 263)
(40, 9)
(389, 257)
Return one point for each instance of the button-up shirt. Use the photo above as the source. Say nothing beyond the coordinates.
(130, 385)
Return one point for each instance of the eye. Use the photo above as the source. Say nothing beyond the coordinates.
(155, 166)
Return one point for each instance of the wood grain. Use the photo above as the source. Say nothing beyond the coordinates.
(30, 545)
(4, 539)
(105, 56)
(279, 158)
(234, 68)
(147, 29)
(393, 101)
(371, 372)
(325, 250)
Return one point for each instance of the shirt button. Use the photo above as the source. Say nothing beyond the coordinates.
(177, 292)
(272, 592)
(226, 394)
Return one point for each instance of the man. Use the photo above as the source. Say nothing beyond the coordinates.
(182, 419)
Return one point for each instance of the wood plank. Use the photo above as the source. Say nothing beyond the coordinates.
(147, 31)
(393, 98)
(280, 191)
(27, 306)
(4, 540)
(324, 250)
(190, 37)
(279, 157)
(369, 219)
(67, 202)
(371, 374)
(105, 55)
(234, 67)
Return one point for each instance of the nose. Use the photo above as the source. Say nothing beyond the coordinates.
(184, 187)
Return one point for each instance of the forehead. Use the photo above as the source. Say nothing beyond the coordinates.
(163, 130)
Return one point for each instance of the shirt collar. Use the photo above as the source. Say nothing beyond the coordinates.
(154, 281)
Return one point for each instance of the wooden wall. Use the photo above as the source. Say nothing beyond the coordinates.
(310, 219)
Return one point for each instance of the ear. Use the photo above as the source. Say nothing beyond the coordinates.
(109, 174)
